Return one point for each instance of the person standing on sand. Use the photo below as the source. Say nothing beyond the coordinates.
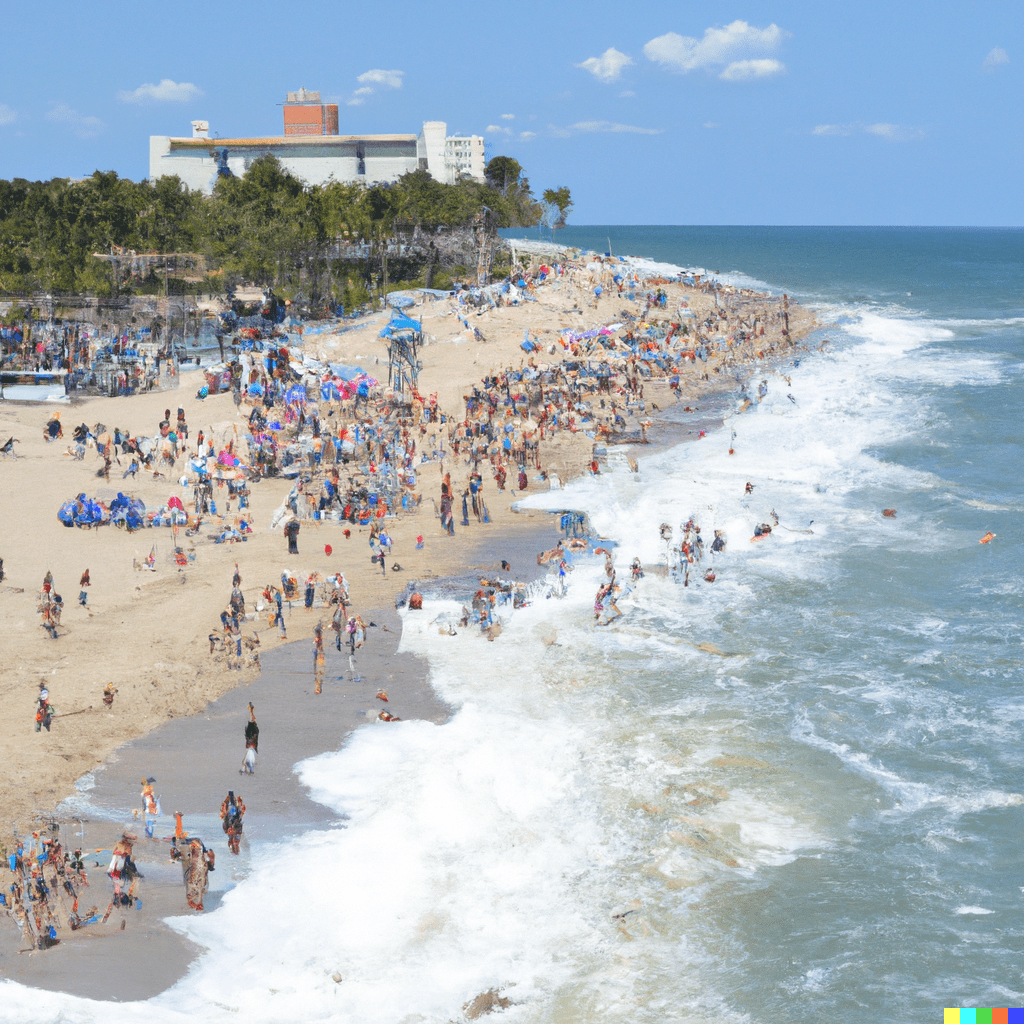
(447, 520)
(122, 868)
(252, 742)
(150, 805)
(318, 656)
(232, 810)
(83, 583)
(279, 612)
(291, 531)
(338, 622)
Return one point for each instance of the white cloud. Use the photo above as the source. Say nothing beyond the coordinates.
(7, 115)
(732, 46)
(892, 132)
(497, 129)
(84, 126)
(833, 129)
(508, 117)
(996, 56)
(611, 126)
(165, 91)
(608, 66)
(614, 127)
(392, 79)
(527, 136)
(626, 94)
(378, 76)
(895, 132)
(741, 70)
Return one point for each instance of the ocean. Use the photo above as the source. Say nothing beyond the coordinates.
(794, 793)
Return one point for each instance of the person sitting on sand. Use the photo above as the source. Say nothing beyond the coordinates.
(53, 429)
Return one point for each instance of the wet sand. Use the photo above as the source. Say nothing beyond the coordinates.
(195, 761)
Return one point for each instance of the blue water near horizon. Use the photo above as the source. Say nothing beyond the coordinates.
(792, 794)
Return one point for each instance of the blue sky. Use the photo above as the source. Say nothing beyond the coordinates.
(653, 113)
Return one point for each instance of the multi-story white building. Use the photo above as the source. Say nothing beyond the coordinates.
(313, 150)
(464, 157)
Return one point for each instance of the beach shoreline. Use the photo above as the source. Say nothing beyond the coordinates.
(188, 685)
(194, 761)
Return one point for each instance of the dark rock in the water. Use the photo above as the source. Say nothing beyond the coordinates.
(486, 1002)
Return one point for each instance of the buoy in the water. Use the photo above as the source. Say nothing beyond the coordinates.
(988, 536)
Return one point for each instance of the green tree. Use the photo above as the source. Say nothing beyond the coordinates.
(561, 200)
(503, 173)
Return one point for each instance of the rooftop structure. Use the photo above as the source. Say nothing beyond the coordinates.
(312, 149)
(304, 114)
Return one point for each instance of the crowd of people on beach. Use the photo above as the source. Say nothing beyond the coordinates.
(47, 880)
(357, 458)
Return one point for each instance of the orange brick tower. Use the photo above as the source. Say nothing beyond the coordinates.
(304, 114)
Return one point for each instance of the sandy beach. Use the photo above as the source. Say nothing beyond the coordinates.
(179, 711)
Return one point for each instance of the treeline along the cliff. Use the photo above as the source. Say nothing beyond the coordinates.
(332, 241)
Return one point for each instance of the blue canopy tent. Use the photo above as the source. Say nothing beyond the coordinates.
(401, 322)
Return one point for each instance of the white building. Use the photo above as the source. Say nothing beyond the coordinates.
(313, 151)
(464, 157)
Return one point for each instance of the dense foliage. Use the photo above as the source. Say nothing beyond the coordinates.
(267, 228)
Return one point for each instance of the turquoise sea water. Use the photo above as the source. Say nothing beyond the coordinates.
(794, 794)
(881, 675)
